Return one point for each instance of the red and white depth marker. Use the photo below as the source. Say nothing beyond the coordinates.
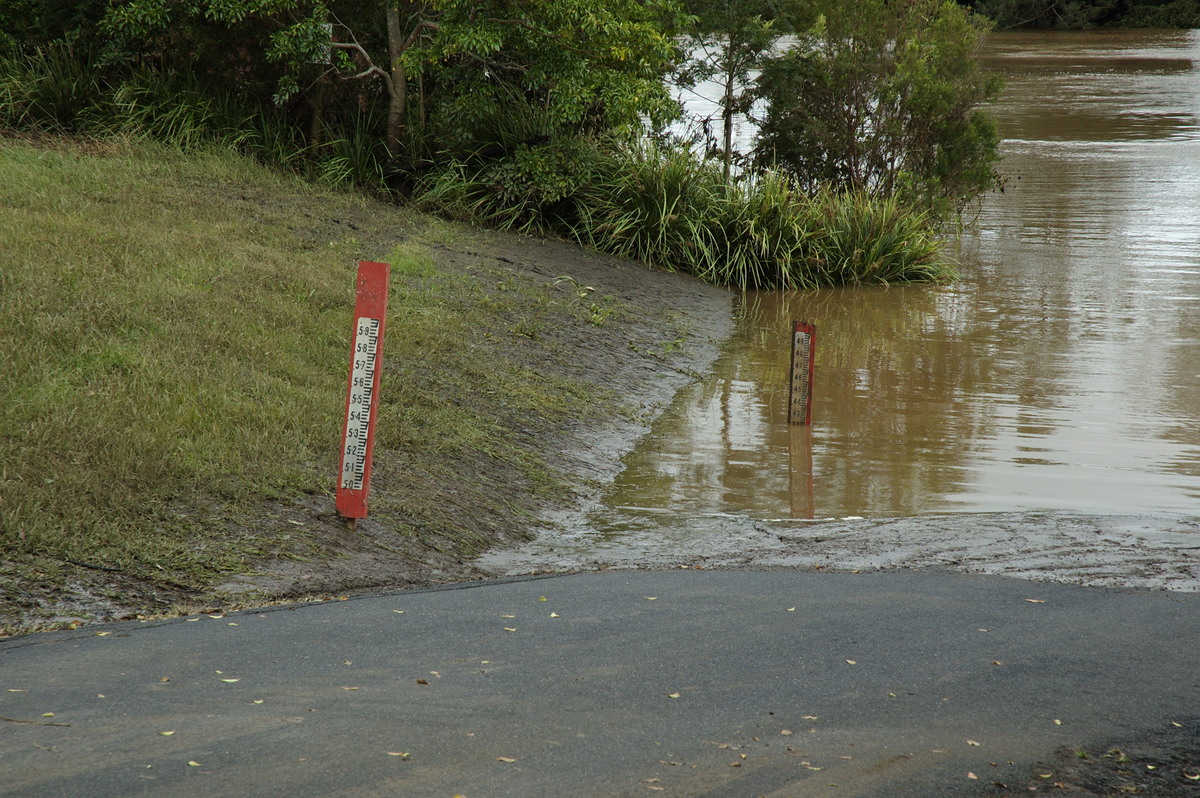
(804, 341)
(362, 393)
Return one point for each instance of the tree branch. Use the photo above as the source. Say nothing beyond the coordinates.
(371, 68)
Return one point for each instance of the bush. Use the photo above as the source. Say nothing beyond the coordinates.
(671, 209)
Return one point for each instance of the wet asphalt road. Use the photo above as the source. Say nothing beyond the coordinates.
(680, 683)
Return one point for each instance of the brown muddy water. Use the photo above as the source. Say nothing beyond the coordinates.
(1059, 376)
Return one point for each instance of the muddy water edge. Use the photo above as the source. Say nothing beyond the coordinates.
(1037, 418)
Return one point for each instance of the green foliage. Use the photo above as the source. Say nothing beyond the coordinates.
(26, 25)
(884, 96)
(1183, 14)
(1057, 14)
(449, 69)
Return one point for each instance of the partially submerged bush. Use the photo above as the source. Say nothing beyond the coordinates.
(671, 209)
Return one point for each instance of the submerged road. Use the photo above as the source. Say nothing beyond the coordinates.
(680, 683)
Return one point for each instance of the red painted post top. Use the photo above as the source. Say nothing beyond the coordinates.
(362, 391)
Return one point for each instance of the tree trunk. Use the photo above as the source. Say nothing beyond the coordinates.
(727, 114)
(398, 99)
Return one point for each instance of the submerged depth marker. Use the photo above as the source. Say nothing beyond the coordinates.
(804, 340)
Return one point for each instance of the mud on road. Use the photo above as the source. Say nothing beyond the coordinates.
(1142, 552)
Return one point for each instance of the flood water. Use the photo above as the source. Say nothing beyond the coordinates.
(1060, 373)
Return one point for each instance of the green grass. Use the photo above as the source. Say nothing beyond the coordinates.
(175, 332)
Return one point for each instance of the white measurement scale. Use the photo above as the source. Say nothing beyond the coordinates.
(358, 411)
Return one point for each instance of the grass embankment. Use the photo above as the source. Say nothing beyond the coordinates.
(175, 338)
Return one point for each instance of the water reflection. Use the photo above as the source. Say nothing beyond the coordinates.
(1060, 373)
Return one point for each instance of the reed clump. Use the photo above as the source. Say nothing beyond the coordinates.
(672, 209)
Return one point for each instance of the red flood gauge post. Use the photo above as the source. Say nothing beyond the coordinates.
(362, 393)
(804, 340)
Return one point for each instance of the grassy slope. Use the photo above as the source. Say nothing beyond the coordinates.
(174, 358)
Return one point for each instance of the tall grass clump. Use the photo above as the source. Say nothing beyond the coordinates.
(672, 209)
(55, 87)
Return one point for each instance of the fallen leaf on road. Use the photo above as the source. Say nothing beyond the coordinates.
(166, 733)
(851, 662)
(193, 763)
(786, 732)
(506, 759)
(542, 598)
(230, 681)
(791, 609)
(422, 681)
(1057, 722)
(650, 598)
(554, 615)
(349, 688)
(1193, 777)
(810, 717)
(398, 612)
(971, 775)
(672, 695)
(401, 754)
(510, 628)
(972, 742)
(1036, 601)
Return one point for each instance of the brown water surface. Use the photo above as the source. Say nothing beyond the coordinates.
(1060, 373)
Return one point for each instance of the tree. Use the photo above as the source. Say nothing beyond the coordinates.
(729, 40)
(579, 63)
(884, 96)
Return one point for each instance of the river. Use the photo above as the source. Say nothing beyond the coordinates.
(1057, 379)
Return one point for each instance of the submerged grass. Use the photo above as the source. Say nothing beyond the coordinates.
(174, 352)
